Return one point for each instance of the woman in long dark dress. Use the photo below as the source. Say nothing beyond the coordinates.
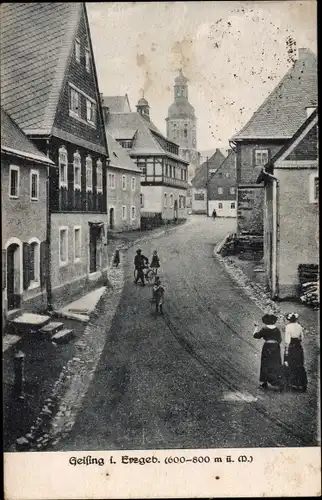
(271, 363)
(293, 354)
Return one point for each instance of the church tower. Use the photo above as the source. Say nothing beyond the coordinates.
(182, 124)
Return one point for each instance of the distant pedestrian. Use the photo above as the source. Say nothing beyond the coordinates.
(214, 213)
(271, 363)
(155, 286)
(155, 262)
(116, 259)
(158, 291)
(293, 355)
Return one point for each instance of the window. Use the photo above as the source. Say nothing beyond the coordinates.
(74, 103)
(133, 213)
(124, 182)
(63, 246)
(180, 201)
(133, 183)
(185, 132)
(220, 190)
(99, 176)
(171, 200)
(123, 212)
(87, 60)
(142, 166)
(90, 111)
(233, 205)
(34, 263)
(232, 190)
(89, 174)
(220, 206)
(14, 181)
(126, 144)
(77, 243)
(111, 181)
(165, 198)
(199, 196)
(77, 50)
(314, 188)
(34, 185)
(62, 164)
(183, 202)
(77, 170)
(261, 157)
(142, 200)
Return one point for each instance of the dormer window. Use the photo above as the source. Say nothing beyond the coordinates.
(90, 111)
(62, 165)
(87, 60)
(77, 50)
(89, 174)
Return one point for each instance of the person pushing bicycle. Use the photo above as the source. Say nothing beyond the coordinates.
(140, 263)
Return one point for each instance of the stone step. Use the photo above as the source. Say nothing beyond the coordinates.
(62, 336)
(51, 329)
(28, 322)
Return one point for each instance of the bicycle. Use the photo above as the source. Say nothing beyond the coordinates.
(149, 274)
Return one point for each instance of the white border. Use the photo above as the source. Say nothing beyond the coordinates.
(125, 216)
(34, 172)
(77, 227)
(63, 263)
(17, 169)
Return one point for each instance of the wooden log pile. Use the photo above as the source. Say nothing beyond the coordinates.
(309, 284)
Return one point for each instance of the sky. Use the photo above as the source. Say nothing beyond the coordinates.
(233, 54)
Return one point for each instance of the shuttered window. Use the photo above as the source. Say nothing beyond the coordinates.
(99, 176)
(77, 170)
(89, 174)
(62, 163)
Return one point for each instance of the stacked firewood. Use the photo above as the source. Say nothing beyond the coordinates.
(309, 285)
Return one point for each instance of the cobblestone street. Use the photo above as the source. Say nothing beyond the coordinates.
(190, 378)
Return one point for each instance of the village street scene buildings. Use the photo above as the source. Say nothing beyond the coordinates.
(93, 173)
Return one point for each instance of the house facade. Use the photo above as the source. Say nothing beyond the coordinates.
(24, 219)
(123, 189)
(222, 188)
(164, 175)
(59, 110)
(291, 210)
(200, 182)
(269, 129)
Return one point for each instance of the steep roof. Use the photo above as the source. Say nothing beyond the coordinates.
(283, 111)
(36, 42)
(228, 165)
(202, 174)
(144, 138)
(119, 158)
(117, 103)
(15, 142)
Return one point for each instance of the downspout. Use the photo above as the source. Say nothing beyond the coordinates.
(274, 239)
(48, 237)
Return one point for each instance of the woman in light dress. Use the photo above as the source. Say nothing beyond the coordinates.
(293, 355)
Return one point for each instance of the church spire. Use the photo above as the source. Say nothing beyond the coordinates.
(143, 106)
(181, 86)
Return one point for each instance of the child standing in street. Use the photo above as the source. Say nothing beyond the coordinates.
(158, 295)
(116, 259)
(155, 262)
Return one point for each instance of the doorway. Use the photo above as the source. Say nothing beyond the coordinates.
(175, 209)
(95, 248)
(111, 218)
(13, 276)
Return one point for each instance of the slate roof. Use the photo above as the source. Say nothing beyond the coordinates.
(144, 139)
(227, 165)
(119, 158)
(117, 103)
(283, 111)
(15, 142)
(36, 41)
(200, 179)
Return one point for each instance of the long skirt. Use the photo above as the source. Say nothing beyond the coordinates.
(296, 373)
(271, 364)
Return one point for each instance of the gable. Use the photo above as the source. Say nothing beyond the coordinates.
(226, 173)
(307, 148)
(80, 77)
(203, 172)
(35, 43)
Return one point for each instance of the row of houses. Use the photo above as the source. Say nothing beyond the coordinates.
(277, 176)
(72, 169)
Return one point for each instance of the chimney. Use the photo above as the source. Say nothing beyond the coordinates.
(302, 52)
(310, 110)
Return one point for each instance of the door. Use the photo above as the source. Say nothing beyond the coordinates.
(111, 221)
(13, 276)
(92, 250)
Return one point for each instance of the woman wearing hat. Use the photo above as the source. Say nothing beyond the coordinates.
(271, 363)
(293, 354)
